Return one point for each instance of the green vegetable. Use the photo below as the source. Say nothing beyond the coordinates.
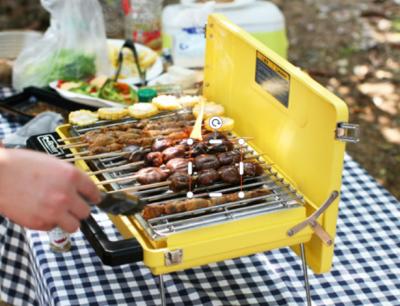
(67, 65)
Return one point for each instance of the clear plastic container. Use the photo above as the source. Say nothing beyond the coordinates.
(143, 22)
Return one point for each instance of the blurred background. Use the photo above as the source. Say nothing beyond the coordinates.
(350, 46)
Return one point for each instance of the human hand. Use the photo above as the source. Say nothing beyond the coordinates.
(41, 192)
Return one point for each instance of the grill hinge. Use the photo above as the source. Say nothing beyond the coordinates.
(312, 221)
(174, 257)
(347, 132)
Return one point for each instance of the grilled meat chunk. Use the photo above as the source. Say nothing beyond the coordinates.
(251, 169)
(173, 152)
(229, 174)
(178, 165)
(206, 161)
(207, 177)
(155, 210)
(151, 175)
(228, 158)
(160, 144)
(180, 181)
(154, 159)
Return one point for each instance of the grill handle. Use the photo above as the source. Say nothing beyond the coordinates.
(111, 253)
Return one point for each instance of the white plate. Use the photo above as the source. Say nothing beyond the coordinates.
(236, 3)
(152, 72)
(84, 99)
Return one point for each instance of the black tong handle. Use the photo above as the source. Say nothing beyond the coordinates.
(130, 45)
(111, 253)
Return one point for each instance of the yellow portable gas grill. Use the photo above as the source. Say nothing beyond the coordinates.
(299, 127)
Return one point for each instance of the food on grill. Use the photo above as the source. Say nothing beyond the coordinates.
(112, 113)
(178, 165)
(160, 144)
(207, 177)
(167, 102)
(180, 181)
(156, 210)
(223, 146)
(136, 153)
(227, 124)
(252, 169)
(142, 110)
(214, 136)
(173, 152)
(206, 161)
(154, 159)
(190, 101)
(82, 117)
(228, 158)
(151, 175)
(229, 174)
(210, 109)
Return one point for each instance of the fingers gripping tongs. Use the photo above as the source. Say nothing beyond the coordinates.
(121, 204)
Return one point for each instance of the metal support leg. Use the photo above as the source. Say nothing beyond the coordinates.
(305, 273)
(162, 291)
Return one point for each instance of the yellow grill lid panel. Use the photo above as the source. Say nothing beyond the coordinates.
(291, 117)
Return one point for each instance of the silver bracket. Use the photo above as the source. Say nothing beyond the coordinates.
(347, 132)
(174, 257)
(312, 221)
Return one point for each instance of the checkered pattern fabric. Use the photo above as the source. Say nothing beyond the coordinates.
(365, 271)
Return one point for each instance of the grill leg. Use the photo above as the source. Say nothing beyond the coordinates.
(162, 291)
(305, 274)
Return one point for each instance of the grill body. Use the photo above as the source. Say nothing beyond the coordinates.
(293, 121)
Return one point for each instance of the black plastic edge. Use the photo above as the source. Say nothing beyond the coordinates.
(111, 253)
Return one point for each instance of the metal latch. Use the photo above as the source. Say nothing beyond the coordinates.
(174, 257)
(312, 221)
(347, 132)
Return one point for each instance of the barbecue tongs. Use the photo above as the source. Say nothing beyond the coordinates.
(130, 44)
(120, 204)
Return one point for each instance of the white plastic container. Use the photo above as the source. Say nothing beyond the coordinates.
(262, 19)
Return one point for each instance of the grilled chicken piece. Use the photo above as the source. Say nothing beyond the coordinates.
(228, 158)
(160, 144)
(151, 175)
(178, 165)
(154, 159)
(224, 146)
(180, 181)
(251, 169)
(206, 161)
(105, 149)
(229, 174)
(207, 177)
(173, 152)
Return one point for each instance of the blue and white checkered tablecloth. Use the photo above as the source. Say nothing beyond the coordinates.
(366, 268)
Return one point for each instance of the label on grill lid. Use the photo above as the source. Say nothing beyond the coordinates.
(273, 79)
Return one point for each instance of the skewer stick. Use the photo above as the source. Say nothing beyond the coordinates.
(117, 168)
(73, 145)
(98, 156)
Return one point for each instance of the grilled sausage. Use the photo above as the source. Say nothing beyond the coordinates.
(207, 177)
(229, 174)
(206, 161)
(151, 175)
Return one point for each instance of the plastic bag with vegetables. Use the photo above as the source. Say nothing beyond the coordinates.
(73, 48)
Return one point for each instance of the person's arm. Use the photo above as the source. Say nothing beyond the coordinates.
(40, 192)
